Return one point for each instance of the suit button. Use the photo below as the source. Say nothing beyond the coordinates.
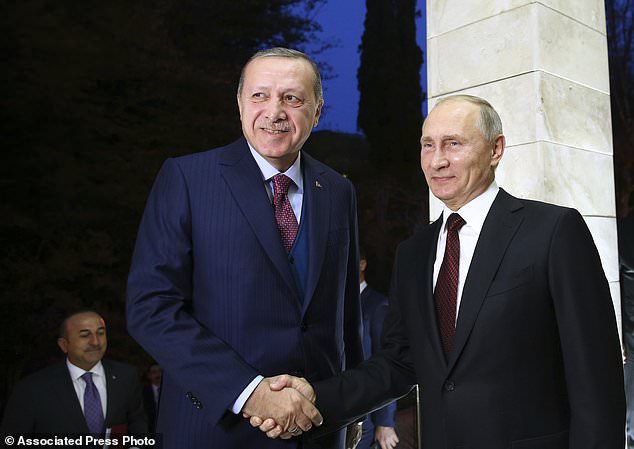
(188, 395)
(450, 386)
(303, 327)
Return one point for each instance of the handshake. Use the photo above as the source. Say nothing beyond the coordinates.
(282, 406)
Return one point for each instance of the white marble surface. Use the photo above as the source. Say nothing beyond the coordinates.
(561, 175)
(604, 234)
(572, 114)
(522, 40)
(539, 106)
(446, 15)
(615, 291)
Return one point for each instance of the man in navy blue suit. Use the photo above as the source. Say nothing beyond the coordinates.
(245, 267)
(378, 427)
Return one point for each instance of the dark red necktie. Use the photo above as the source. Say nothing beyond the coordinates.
(446, 292)
(284, 216)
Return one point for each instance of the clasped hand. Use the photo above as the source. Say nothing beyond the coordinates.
(282, 406)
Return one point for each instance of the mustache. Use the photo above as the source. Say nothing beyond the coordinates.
(278, 125)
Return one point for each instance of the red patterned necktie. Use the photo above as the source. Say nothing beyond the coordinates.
(446, 292)
(284, 216)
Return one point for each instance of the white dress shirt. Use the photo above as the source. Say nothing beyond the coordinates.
(98, 378)
(155, 393)
(296, 198)
(295, 190)
(473, 213)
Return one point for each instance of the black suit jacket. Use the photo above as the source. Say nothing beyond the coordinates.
(46, 403)
(536, 362)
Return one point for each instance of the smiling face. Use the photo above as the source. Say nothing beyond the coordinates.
(278, 108)
(84, 340)
(457, 160)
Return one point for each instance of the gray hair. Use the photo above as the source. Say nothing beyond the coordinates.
(282, 52)
(488, 123)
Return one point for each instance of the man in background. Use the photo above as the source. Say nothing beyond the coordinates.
(84, 394)
(151, 393)
(379, 425)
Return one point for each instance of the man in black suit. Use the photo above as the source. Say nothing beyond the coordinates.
(151, 393)
(54, 400)
(501, 314)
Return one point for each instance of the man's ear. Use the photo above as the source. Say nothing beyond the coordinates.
(498, 150)
(320, 105)
(63, 344)
(239, 106)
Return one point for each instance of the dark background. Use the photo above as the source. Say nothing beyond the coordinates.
(98, 94)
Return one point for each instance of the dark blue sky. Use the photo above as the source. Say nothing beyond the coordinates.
(342, 23)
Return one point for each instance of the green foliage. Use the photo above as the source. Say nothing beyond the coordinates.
(98, 95)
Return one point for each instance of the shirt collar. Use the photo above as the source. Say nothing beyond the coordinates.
(268, 171)
(76, 372)
(362, 286)
(475, 211)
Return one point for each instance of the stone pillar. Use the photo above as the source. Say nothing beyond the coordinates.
(544, 67)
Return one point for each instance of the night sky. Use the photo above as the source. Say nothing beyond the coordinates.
(342, 24)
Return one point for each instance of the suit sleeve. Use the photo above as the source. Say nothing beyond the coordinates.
(379, 380)
(136, 414)
(19, 417)
(385, 416)
(589, 337)
(159, 301)
(353, 331)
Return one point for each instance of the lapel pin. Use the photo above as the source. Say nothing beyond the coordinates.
(317, 184)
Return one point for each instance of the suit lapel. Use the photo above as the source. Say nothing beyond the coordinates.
(114, 393)
(244, 178)
(317, 202)
(497, 232)
(424, 288)
(67, 398)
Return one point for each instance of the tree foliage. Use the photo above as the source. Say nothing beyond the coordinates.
(393, 200)
(390, 113)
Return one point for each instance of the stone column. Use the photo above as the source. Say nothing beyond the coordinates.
(544, 67)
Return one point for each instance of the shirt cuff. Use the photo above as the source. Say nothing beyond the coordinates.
(237, 406)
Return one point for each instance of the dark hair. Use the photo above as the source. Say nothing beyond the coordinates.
(282, 52)
(62, 331)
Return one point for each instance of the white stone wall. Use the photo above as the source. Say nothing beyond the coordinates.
(544, 67)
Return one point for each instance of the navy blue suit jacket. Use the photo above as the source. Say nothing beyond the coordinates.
(374, 308)
(211, 295)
